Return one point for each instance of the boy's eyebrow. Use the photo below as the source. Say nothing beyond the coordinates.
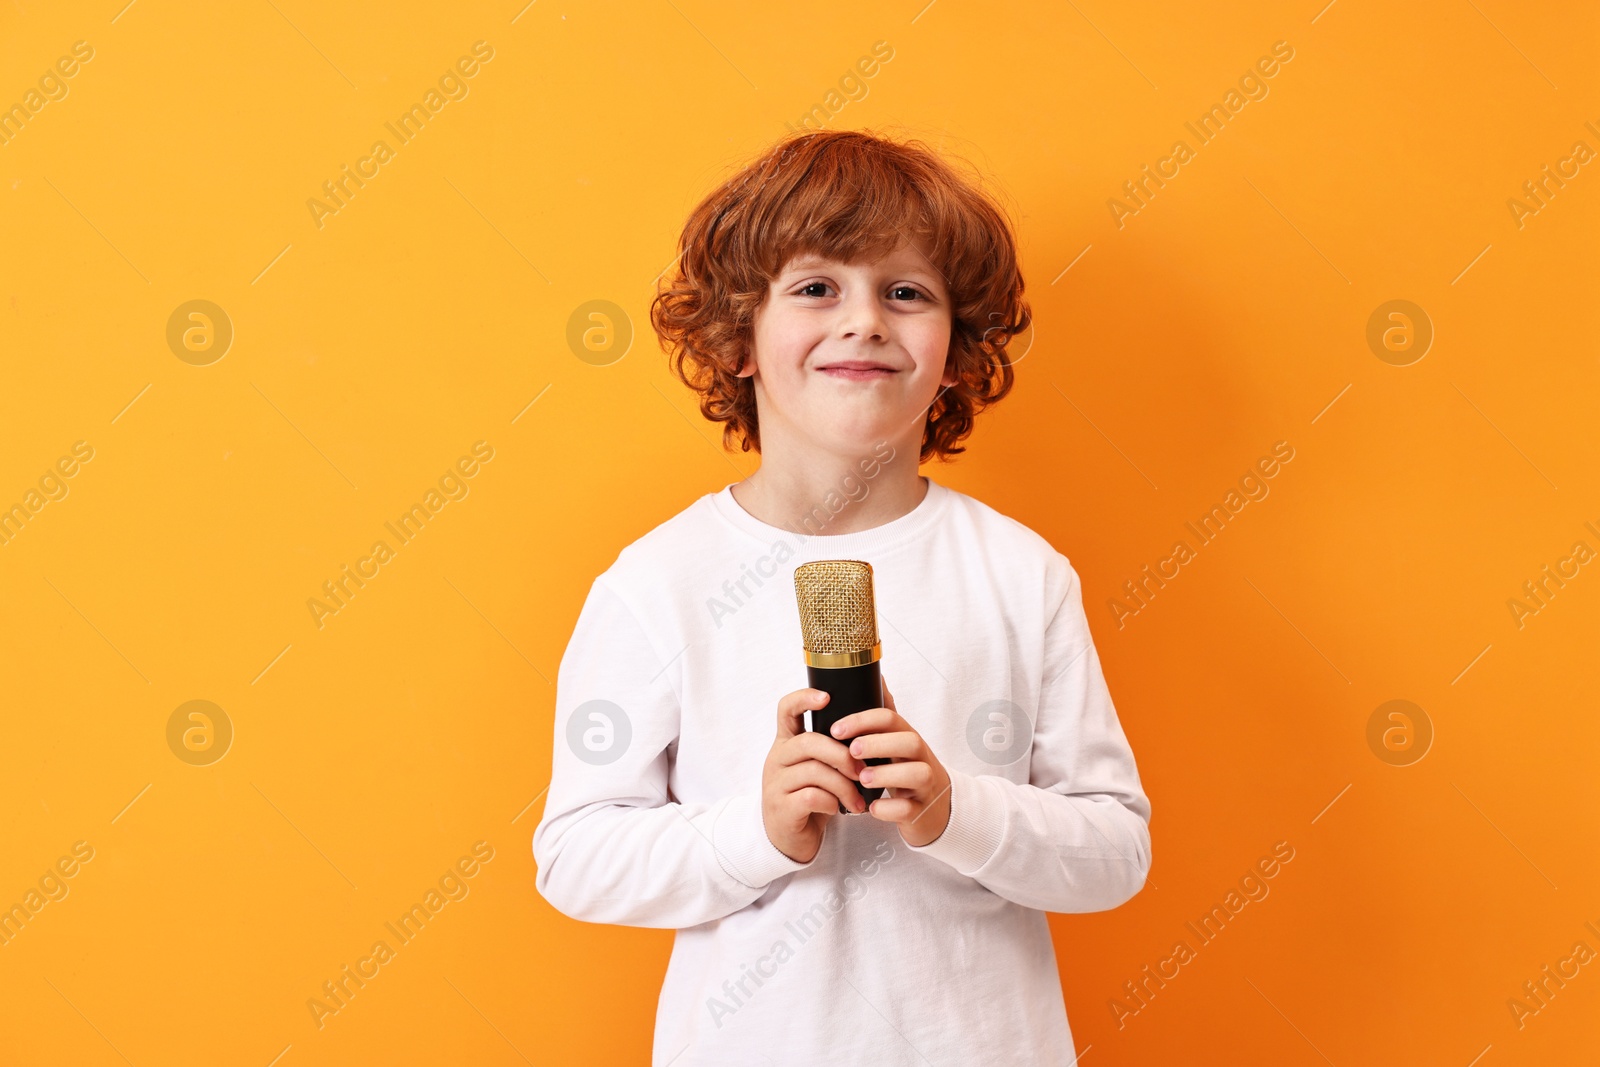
(812, 262)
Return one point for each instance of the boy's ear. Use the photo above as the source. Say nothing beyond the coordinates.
(950, 377)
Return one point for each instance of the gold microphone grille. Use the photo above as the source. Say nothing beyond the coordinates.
(836, 609)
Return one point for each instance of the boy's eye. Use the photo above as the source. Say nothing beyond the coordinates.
(811, 289)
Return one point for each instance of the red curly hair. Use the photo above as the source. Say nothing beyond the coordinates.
(851, 196)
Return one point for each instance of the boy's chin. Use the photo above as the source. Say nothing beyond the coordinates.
(846, 435)
(853, 425)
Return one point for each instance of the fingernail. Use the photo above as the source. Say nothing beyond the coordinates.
(855, 748)
(837, 729)
(866, 776)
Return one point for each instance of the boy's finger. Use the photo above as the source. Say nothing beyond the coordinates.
(892, 809)
(872, 720)
(814, 746)
(911, 775)
(901, 744)
(792, 708)
(814, 773)
(814, 798)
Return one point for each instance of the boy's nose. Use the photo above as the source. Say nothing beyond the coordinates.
(862, 319)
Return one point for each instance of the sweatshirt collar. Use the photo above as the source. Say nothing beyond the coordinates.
(823, 545)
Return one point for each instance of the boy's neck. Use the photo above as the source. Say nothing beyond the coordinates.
(786, 493)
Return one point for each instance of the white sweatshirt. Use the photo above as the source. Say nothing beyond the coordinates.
(875, 951)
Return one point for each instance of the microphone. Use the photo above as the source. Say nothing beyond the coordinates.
(839, 631)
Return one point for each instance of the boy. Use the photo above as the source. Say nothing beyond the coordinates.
(843, 307)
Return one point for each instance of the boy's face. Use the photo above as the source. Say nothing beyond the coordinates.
(846, 355)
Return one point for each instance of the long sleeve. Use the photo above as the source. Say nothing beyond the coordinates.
(612, 847)
(1075, 837)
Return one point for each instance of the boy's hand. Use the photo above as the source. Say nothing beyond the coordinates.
(806, 776)
(921, 801)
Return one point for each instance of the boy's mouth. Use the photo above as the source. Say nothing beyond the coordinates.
(857, 370)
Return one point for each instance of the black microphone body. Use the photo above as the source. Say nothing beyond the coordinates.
(849, 689)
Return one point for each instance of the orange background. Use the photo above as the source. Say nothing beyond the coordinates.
(369, 353)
